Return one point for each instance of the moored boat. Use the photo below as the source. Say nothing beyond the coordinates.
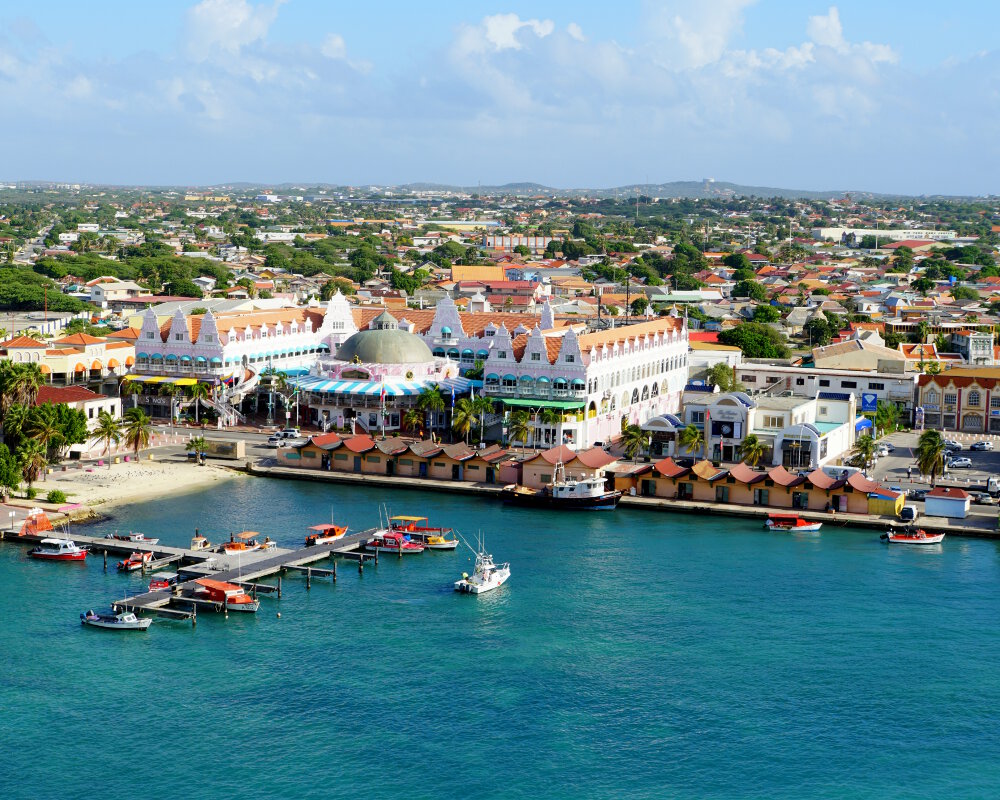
(136, 560)
(392, 542)
(433, 538)
(912, 536)
(245, 542)
(589, 493)
(114, 620)
(322, 534)
(165, 580)
(131, 537)
(486, 576)
(58, 550)
(791, 522)
(235, 598)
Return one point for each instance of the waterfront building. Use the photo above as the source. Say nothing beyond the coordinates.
(581, 387)
(78, 359)
(798, 432)
(960, 399)
(538, 470)
(947, 502)
(90, 403)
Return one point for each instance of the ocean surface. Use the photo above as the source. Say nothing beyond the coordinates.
(632, 655)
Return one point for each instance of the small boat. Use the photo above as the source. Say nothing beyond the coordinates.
(131, 537)
(136, 560)
(392, 542)
(58, 550)
(114, 620)
(163, 581)
(589, 493)
(433, 538)
(324, 533)
(486, 576)
(790, 522)
(200, 543)
(912, 536)
(229, 593)
(245, 542)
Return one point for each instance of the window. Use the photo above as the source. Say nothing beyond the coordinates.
(800, 381)
(995, 402)
(501, 354)
(721, 494)
(950, 399)
(178, 337)
(878, 387)
(570, 359)
(822, 411)
(697, 417)
(773, 421)
(536, 356)
(150, 335)
(848, 384)
(824, 382)
(490, 333)
(749, 379)
(973, 398)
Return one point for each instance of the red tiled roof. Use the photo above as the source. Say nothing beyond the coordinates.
(821, 480)
(79, 339)
(708, 471)
(359, 444)
(859, 482)
(595, 458)
(22, 341)
(557, 454)
(782, 477)
(746, 474)
(949, 493)
(668, 468)
(65, 394)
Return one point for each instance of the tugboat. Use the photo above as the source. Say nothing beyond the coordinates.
(587, 493)
(58, 550)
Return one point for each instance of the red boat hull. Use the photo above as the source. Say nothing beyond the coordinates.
(60, 557)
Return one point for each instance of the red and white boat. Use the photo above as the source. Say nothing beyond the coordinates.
(910, 536)
(229, 593)
(324, 533)
(163, 581)
(791, 522)
(58, 550)
(246, 542)
(136, 560)
(392, 542)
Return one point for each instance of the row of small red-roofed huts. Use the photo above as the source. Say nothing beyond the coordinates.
(740, 484)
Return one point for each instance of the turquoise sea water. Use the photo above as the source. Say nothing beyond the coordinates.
(631, 655)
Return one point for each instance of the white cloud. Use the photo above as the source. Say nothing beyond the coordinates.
(576, 32)
(228, 25)
(693, 33)
(334, 46)
(500, 32)
(826, 30)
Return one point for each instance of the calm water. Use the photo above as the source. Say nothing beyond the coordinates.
(631, 655)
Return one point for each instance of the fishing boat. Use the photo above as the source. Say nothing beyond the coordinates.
(58, 550)
(433, 538)
(163, 581)
(912, 536)
(245, 542)
(392, 542)
(486, 576)
(199, 542)
(235, 598)
(136, 560)
(114, 620)
(589, 493)
(131, 537)
(324, 533)
(790, 522)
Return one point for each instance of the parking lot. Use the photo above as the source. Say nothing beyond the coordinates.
(891, 470)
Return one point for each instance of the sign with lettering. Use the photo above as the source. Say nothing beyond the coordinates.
(869, 401)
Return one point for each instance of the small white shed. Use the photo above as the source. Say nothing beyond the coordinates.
(941, 502)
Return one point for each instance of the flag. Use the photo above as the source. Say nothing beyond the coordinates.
(472, 392)
(381, 395)
(452, 396)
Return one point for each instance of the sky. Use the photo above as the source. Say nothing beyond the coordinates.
(880, 96)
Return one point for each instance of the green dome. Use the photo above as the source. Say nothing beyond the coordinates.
(386, 346)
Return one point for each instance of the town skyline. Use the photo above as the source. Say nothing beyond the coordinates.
(821, 96)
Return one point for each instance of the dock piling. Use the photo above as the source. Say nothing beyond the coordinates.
(399, 551)
(308, 578)
(335, 570)
(194, 616)
(361, 565)
(376, 556)
(105, 560)
(279, 587)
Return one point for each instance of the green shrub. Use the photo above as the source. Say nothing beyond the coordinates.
(56, 496)
(31, 493)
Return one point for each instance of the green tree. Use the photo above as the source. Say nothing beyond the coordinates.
(752, 449)
(519, 428)
(483, 406)
(756, 340)
(138, 430)
(930, 454)
(431, 402)
(964, 293)
(923, 285)
(44, 429)
(413, 419)
(634, 440)
(108, 432)
(639, 306)
(31, 457)
(19, 383)
(738, 261)
(198, 392)
(463, 417)
(819, 331)
(10, 472)
(886, 416)
(722, 375)
(750, 289)
(865, 447)
(691, 438)
(764, 313)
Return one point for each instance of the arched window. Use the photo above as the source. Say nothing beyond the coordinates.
(635, 395)
(645, 392)
(973, 398)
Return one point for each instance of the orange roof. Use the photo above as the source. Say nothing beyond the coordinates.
(22, 341)
(595, 458)
(782, 477)
(359, 444)
(624, 333)
(553, 344)
(746, 474)
(668, 468)
(556, 454)
(79, 339)
(125, 333)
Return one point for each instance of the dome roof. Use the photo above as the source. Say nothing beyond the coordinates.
(385, 346)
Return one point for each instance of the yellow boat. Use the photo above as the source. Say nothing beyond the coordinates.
(433, 538)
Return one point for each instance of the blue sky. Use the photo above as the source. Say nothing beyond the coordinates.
(885, 96)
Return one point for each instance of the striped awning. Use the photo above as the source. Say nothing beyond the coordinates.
(313, 383)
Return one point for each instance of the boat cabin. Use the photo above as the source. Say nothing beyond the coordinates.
(220, 591)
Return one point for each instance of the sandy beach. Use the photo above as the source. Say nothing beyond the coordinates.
(102, 489)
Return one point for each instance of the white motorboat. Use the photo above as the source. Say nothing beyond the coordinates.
(131, 537)
(486, 577)
(114, 620)
(917, 537)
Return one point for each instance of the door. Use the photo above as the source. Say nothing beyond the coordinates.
(456, 472)
(357, 463)
(423, 469)
(491, 475)
(390, 467)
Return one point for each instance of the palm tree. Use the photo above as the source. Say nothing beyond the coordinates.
(551, 418)
(431, 402)
(865, 447)
(44, 431)
(19, 383)
(138, 429)
(131, 387)
(519, 427)
(635, 439)
(197, 444)
(108, 431)
(14, 420)
(691, 438)
(31, 457)
(413, 419)
(752, 449)
(483, 406)
(198, 393)
(463, 415)
(930, 454)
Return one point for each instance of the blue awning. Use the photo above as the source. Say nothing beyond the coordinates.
(861, 424)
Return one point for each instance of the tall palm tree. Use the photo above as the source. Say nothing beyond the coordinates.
(107, 431)
(431, 402)
(15, 419)
(198, 393)
(930, 454)
(413, 419)
(519, 428)
(463, 416)
(865, 447)
(634, 439)
(44, 431)
(551, 418)
(134, 388)
(483, 406)
(752, 449)
(31, 457)
(138, 430)
(691, 438)
(19, 383)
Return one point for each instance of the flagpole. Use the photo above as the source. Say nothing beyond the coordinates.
(382, 403)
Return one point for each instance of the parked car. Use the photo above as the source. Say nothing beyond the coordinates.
(984, 498)
(281, 438)
(984, 445)
(951, 444)
(888, 447)
(960, 463)
(917, 494)
(908, 513)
